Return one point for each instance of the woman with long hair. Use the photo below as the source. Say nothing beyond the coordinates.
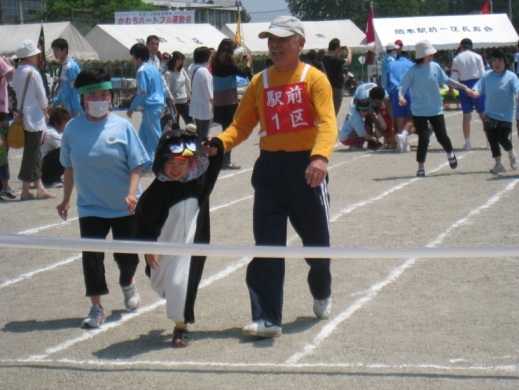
(225, 87)
(179, 85)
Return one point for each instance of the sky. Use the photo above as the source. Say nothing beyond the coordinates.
(265, 10)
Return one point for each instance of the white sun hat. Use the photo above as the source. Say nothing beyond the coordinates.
(424, 49)
(27, 49)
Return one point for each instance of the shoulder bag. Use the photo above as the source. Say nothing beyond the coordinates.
(15, 133)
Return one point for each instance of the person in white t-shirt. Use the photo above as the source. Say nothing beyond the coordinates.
(201, 107)
(52, 170)
(468, 68)
(35, 115)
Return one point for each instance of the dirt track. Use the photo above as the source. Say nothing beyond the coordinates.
(397, 323)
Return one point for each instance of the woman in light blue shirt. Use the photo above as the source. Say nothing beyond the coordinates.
(501, 87)
(423, 81)
(103, 157)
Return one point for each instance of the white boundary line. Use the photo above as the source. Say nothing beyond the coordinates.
(327, 329)
(274, 367)
(42, 358)
(375, 289)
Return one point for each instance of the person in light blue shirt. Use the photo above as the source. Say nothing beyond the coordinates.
(501, 87)
(103, 156)
(150, 99)
(353, 132)
(423, 80)
(67, 95)
(390, 57)
(402, 115)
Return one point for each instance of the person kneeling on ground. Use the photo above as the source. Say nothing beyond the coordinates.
(175, 208)
(52, 170)
(357, 128)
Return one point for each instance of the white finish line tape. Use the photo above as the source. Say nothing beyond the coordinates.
(142, 247)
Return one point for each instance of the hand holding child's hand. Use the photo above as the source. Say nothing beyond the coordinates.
(208, 147)
(131, 203)
(152, 261)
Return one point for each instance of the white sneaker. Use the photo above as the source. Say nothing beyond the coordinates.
(513, 162)
(96, 317)
(467, 147)
(261, 328)
(132, 299)
(498, 168)
(407, 147)
(323, 308)
(400, 141)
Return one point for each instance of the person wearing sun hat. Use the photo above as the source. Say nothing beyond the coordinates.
(175, 209)
(423, 80)
(293, 104)
(103, 158)
(35, 117)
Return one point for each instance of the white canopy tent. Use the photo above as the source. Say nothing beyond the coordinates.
(13, 35)
(446, 32)
(113, 42)
(317, 34)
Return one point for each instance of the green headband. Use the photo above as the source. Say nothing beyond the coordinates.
(95, 87)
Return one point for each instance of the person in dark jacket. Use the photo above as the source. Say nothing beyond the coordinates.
(225, 95)
(175, 208)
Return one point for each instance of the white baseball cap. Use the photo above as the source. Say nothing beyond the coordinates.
(283, 26)
(392, 46)
(27, 49)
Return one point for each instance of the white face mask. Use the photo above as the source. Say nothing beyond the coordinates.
(98, 109)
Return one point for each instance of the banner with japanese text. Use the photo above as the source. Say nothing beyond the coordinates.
(155, 17)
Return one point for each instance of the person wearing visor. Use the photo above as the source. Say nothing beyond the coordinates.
(501, 86)
(423, 80)
(357, 127)
(103, 156)
(293, 104)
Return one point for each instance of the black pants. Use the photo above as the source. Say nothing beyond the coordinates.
(51, 170)
(183, 111)
(123, 228)
(224, 116)
(281, 194)
(440, 130)
(498, 133)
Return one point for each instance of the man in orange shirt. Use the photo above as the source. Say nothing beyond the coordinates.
(292, 102)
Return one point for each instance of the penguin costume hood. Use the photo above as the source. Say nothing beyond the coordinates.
(180, 143)
(177, 211)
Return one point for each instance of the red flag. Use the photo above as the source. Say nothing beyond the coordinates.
(370, 33)
(486, 8)
(370, 29)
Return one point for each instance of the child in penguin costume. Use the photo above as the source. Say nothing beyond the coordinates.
(175, 208)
